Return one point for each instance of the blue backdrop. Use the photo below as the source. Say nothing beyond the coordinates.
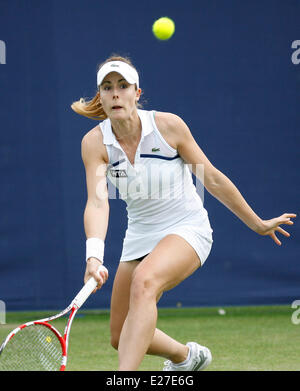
(228, 71)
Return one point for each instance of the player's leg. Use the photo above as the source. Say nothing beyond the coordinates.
(161, 344)
(172, 261)
(120, 299)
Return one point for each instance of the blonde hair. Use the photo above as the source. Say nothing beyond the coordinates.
(92, 108)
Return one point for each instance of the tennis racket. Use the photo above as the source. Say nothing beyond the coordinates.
(38, 345)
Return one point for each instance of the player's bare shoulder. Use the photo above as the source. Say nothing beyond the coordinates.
(171, 127)
(92, 147)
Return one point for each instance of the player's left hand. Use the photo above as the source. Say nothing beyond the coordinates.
(270, 227)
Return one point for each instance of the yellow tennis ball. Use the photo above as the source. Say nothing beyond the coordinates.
(163, 28)
(48, 339)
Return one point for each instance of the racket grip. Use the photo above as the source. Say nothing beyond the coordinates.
(85, 292)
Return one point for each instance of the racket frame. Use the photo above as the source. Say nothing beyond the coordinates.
(77, 302)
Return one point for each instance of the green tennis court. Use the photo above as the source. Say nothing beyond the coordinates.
(260, 338)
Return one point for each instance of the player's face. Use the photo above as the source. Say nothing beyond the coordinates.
(118, 97)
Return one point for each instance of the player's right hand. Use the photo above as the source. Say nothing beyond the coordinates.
(95, 269)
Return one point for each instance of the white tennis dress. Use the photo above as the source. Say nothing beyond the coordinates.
(159, 192)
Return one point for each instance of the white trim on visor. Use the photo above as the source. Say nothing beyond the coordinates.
(126, 70)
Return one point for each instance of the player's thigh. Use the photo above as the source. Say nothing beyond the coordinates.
(120, 296)
(170, 262)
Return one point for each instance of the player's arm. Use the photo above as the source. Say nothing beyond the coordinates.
(96, 213)
(218, 184)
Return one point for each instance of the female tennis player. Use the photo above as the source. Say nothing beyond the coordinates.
(146, 155)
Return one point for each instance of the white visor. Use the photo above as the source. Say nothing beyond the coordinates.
(127, 71)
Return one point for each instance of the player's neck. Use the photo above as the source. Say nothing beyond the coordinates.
(127, 130)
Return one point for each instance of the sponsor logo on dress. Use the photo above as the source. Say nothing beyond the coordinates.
(118, 173)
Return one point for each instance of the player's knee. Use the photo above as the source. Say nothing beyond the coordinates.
(143, 286)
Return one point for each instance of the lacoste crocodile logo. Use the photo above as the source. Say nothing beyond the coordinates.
(155, 149)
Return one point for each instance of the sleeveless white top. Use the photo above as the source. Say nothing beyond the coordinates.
(158, 188)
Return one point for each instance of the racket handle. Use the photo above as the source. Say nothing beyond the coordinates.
(85, 292)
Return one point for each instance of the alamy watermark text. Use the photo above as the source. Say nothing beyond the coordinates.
(2, 52)
(2, 312)
(296, 54)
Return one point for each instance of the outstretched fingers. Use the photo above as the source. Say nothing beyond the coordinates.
(283, 232)
(286, 217)
(283, 219)
(274, 237)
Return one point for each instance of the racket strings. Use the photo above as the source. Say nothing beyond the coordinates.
(34, 348)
